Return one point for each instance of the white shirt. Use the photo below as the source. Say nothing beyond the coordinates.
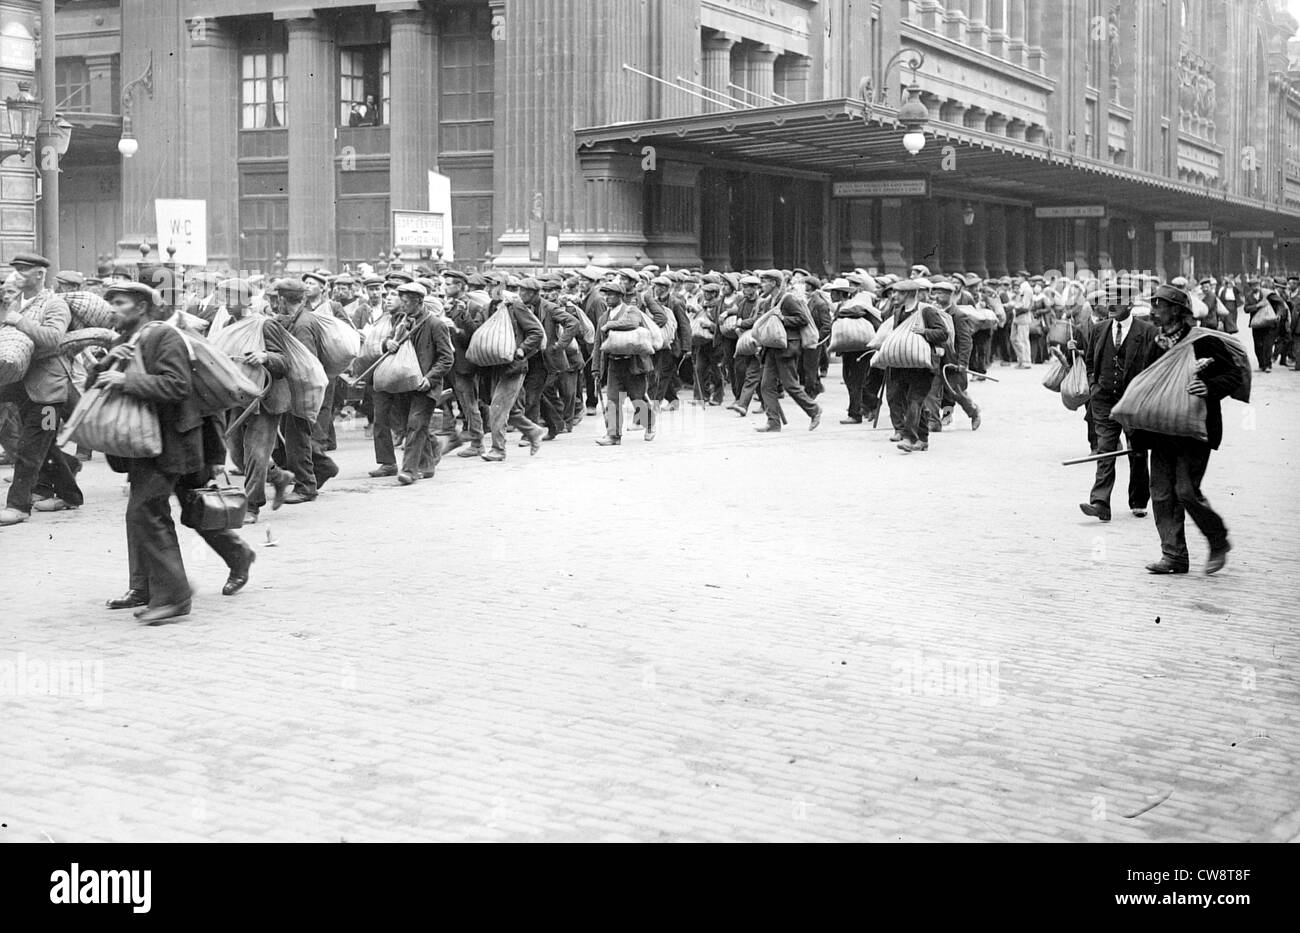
(1124, 326)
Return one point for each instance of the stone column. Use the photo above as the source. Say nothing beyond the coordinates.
(715, 220)
(976, 118)
(998, 27)
(1016, 31)
(955, 20)
(673, 228)
(996, 240)
(928, 238)
(1034, 36)
(1104, 244)
(976, 251)
(792, 76)
(1033, 243)
(614, 194)
(952, 238)
(409, 157)
(758, 230)
(157, 120)
(717, 69)
(977, 29)
(212, 125)
(1015, 226)
(760, 75)
(892, 236)
(310, 120)
(859, 246)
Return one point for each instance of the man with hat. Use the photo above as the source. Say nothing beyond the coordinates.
(705, 345)
(561, 391)
(549, 367)
(41, 397)
(158, 588)
(506, 381)
(779, 366)
(593, 305)
(624, 375)
(69, 280)
(949, 387)
(304, 449)
(1115, 353)
(466, 310)
(431, 341)
(665, 380)
(252, 443)
(918, 271)
(745, 369)
(856, 364)
(1178, 463)
(816, 360)
(908, 387)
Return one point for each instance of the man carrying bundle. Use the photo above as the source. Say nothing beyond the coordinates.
(433, 352)
(780, 366)
(304, 450)
(507, 379)
(40, 397)
(159, 589)
(1178, 463)
(622, 374)
(252, 442)
(910, 385)
(1116, 351)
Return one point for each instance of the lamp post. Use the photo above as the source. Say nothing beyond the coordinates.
(48, 141)
(22, 113)
(128, 145)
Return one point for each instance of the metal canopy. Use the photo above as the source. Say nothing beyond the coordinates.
(844, 139)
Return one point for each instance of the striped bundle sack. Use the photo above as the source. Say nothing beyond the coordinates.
(904, 347)
(1157, 399)
(16, 350)
(115, 423)
(849, 334)
(494, 343)
(88, 310)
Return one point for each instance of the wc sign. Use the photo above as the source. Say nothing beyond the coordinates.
(183, 225)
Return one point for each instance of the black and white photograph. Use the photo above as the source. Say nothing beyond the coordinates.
(700, 421)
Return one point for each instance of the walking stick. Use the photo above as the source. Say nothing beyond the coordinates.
(1095, 457)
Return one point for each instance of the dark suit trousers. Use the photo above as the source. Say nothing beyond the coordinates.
(1108, 432)
(857, 368)
(534, 386)
(810, 370)
(727, 356)
(708, 377)
(557, 399)
(153, 551)
(1177, 468)
(749, 372)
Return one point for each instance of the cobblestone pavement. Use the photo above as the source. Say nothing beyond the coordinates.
(720, 635)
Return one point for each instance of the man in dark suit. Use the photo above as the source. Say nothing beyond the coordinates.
(1120, 348)
(304, 448)
(781, 367)
(1178, 463)
(158, 586)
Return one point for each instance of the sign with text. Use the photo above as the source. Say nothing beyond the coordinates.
(1077, 210)
(1191, 236)
(1183, 225)
(182, 224)
(884, 188)
(418, 230)
(1251, 234)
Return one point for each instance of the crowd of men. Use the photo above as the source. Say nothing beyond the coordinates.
(576, 353)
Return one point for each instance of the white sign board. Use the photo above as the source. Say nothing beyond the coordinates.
(1183, 225)
(1077, 210)
(1191, 236)
(440, 203)
(418, 230)
(1251, 234)
(885, 188)
(184, 225)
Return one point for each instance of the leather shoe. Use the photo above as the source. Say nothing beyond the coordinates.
(282, 487)
(475, 450)
(1093, 510)
(850, 421)
(524, 443)
(239, 576)
(426, 474)
(52, 504)
(738, 410)
(768, 429)
(816, 420)
(384, 469)
(1164, 565)
(608, 441)
(297, 498)
(131, 599)
(895, 438)
(534, 442)
(12, 516)
(250, 516)
(155, 614)
(1217, 559)
(493, 455)
(1139, 513)
(975, 420)
(406, 479)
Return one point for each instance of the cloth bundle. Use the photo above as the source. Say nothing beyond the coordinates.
(339, 343)
(1074, 387)
(400, 371)
(769, 332)
(16, 350)
(494, 343)
(850, 334)
(1157, 399)
(904, 347)
(88, 310)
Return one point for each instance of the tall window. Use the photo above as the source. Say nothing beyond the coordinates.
(363, 85)
(262, 90)
(72, 85)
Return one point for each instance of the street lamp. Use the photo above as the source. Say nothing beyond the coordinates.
(128, 145)
(968, 214)
(23, 112)
(913, 115)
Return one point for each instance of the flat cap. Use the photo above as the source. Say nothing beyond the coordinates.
(774, 274)
(803, 272)
(943, 285)
(530, 283)
(613, 286)
(711, 287)
(474, 280)
(839, 285)
(918, 267)
(238, 288)
(372, 279)
(136, 290)
(592, 273)
(413, 288)
(70, 277)
(344, 279)
(1174, 296)
(289, 288)
(314, 276)
(750, 280)
(662, 280)
(399, 276)
(455, 274)
(29, 260)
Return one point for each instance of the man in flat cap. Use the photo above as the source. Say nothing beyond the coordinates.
(69, 280)
(780, 367)
(662, 305)
(158, 587)
(706, 344)
(549, 368)
(816, 361)
(41, 397)
(304, 447)
(506, 381)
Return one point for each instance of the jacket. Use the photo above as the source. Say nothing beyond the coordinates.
(822, 315)
(161, 376)
(621, 317)
(467, 312)
(1139, 346)
(306, 327)
(528, 337)
(44, 319)
(560, 328)
(433, 349)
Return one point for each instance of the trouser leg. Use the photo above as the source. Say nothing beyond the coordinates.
(298, 458)
(38, 426)
(788, 370)
(420, 453)
(251, 447)
(1165, 505)
(1108, 435)
(155, 552)
(855, 367)
(466, 388)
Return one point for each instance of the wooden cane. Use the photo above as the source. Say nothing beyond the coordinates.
(1095, 457)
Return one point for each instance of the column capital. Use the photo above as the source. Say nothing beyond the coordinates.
(764, 53)
(399, 6)
(720, 42)
(295, 15)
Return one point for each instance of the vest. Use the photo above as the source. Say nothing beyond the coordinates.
(1111, 371)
